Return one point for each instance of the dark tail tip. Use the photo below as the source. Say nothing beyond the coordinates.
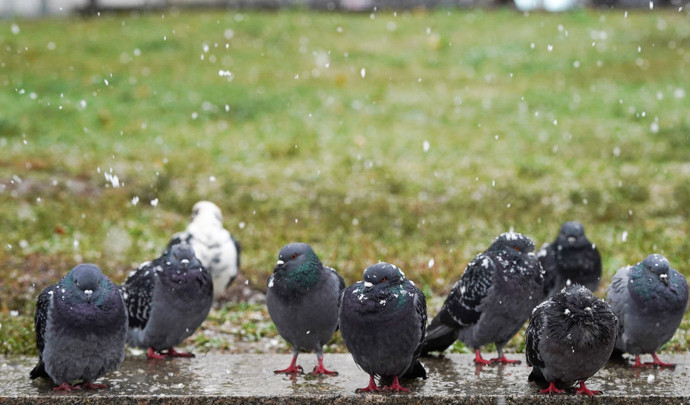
(416, 370)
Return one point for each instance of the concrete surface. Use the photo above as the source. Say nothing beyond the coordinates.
(249, 379)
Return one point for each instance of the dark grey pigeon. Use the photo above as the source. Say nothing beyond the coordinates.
(568, 339)
(492, 300)
(383, 322)
(649, 299)
(302, 299)
(167, 300)
(570, 259)
(81, 327)
(213, 245)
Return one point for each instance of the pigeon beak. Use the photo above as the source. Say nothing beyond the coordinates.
(588, 310)
(664, 278)
(280, 263)
(88, 293)
(571, 239)
(367, 286)
(185, 263)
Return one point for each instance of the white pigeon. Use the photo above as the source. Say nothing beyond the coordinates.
(218, 251)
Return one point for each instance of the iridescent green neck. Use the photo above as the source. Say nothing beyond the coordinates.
(307, 274)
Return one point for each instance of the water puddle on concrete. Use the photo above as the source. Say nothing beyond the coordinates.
(251, 375)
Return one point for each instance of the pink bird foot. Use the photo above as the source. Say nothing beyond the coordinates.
(552, 389)
(369, 388)
(586, 391)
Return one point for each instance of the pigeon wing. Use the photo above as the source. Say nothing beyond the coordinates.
(469, 292)
(534, 328)
(138, 293)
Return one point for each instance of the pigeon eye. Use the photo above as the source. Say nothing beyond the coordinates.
(294, 255)
(384, 279)
(517, 248)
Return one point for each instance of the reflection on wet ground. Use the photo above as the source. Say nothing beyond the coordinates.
(251, 375)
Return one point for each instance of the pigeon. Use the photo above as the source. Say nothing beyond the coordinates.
(218, 251)
(81, 327)
(649, 299)
(570, 259)
(302, 300)
(568, 339)
(492, 300)
(167, 300)
(383, 323)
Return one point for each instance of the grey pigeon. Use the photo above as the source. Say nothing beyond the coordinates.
(570, 259)
(649, 299)
(302, 299)
(383, 322)
(568, 339)
(492, 300)
(218, 251)
(167, 300)
(81, 327)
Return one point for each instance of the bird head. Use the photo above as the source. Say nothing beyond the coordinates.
(512, 242)
(206, 211)
(87, 279)
(295, 256)
(572, 234)
(382, 274)
(658, 265)
(181, 262)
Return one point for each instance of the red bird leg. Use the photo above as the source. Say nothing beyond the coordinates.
(502, 359)
(552, 389)
(174, 353)
(369, 388)
(638, 363)
(292, 368)
(90, 385)
(153, 355)
(660, 363)
(586, 391)
(66, 387)
(479, 359)
(320, 369)
(396, 387)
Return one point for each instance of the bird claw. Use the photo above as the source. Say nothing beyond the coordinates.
(66, 387)
(152, 355)
(290, 370)
(552, 389)
(320, 370)
(586, 391)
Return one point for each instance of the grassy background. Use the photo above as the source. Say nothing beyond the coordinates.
(402, 137)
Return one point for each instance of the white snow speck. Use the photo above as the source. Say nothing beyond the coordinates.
(382, 302)
(567, 312)
(624, 236)
(14, 313)
(135, 200)
(425, 146)
(431, 263)
(154, 202)
(270, 282)
(363, 73)
(650, 378)
(15, 29)
(368, 284)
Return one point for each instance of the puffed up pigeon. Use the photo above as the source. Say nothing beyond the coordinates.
(167, 300)
(302, 300)
(213, 245)
(568, 339)
(383, 322)
(492, 300)
(570, 259)
(81, 327)
(649, 299)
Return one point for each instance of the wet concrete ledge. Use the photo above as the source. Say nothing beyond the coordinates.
(249, 379)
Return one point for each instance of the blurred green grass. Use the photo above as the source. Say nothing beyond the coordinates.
(402, 137)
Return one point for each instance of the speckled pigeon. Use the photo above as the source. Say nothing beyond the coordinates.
(570, 259)
(81, 327)
(383, 322)
(492, 300)
(213, 245)
(302, 299)
(568, 339)
(649, 299)
(167, 300)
